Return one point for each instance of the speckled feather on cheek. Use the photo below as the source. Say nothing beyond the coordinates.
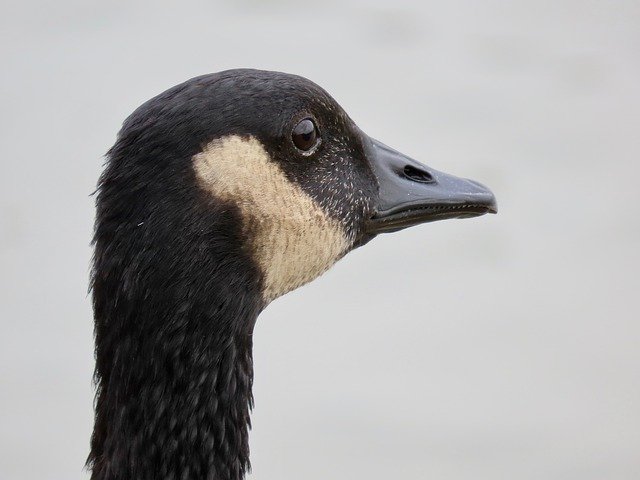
(291, 237)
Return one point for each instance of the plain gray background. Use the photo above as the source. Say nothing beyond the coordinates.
(503, 347)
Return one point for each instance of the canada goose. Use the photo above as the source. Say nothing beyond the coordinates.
(220, 195)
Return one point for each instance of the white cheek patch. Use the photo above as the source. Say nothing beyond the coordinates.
(290, 237)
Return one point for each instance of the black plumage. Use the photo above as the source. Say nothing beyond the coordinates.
(176, 291)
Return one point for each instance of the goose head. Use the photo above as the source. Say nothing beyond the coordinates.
(220, 195)
(306, 184)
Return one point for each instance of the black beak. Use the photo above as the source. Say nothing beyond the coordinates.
(411, 193)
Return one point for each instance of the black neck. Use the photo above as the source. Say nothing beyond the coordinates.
(175, 302)
(185, 417)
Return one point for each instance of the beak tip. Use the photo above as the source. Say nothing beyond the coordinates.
(488, 198)
(492, 206)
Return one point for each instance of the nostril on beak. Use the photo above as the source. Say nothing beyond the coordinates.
(417, 174)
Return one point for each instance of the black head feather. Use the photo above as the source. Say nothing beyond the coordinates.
(175, 293)
(176, 290)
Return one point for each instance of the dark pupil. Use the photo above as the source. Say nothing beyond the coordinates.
(304, 135)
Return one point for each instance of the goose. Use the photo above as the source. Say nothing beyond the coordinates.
(220, 195)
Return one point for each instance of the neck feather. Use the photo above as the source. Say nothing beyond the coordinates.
(175, 303)
(186, 416)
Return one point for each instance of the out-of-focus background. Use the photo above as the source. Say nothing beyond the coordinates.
(500, 347)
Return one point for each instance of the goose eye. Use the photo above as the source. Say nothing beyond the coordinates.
(305, 135)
